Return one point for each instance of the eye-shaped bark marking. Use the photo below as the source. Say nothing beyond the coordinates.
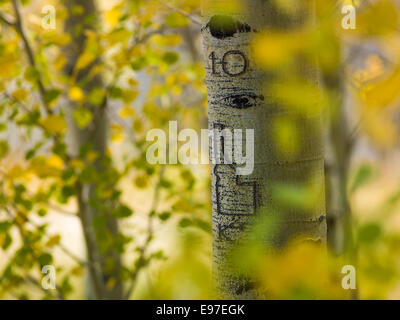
(241, 101)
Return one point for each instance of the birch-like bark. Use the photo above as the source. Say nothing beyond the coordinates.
(239, 98)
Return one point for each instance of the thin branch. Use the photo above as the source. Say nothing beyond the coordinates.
(61, 246)
(6, 20)
(56, 137)
(56, 208)
(60, 210)
(19, 28)
(26, 243)
(192, 18)
(141, 262)
(39, 286)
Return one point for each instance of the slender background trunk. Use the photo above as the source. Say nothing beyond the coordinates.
(96, 135)
(338, 152)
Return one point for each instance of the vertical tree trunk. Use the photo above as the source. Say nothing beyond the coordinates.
(96, 135)
(338, 151)
(239, 98)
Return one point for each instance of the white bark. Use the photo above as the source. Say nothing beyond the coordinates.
(238, 100)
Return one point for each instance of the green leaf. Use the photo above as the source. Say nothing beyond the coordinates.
(362, 177)
(116, 92)
(5, 241)
(369, 233)
(170, 57)
(66, 192)
(185, 222)
(42, 212)
(122, 212)
(164, 216)
(158, 255)
(85, 149)
(30, 154)
(60, 149)
(88, 174)
(164, 183)
(4, 148)
(203, 225)
(176, 20)
(67, 174)
(97, 96)
(99, 222)
(31, 74)
(45, 259)
(139, 63)
(83, 117)
(5, 226)
(51, 95)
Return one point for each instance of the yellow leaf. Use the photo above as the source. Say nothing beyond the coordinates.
(126, 112)
(222, 7)
(380, 127)
(133, 82)
(382, 93)
(77, 164)
(176, 90)
(92, 156)
(117, 133)
(53, 241)
(55, 162)
(141, 181)
(273, 50)
(47, 167)
(378, 19)
(287, 137)
(312, 99)
(167, 40)
(19, 94)
(76, 94)
(54, 124)
(16, 172)
(77, 271)
(84, 60)
(129, 95)
(111, 283)
(137, 126)
(112, 16)
(59, 63)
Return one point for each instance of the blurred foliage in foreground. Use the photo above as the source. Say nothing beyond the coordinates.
(147, 54)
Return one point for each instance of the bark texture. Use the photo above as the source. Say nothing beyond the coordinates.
(239, 98)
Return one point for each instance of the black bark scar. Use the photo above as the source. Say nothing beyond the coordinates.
(241, 101)
(222, 27)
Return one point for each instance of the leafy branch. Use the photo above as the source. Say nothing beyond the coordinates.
(141, 261)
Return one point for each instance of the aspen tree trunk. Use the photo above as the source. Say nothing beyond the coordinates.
(96, 135)
(338, 152)
(239, 98)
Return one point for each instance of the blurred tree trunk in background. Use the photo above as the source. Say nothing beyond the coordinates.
(339, 144)
(82, 18)
(338, 152)
(240, 96)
